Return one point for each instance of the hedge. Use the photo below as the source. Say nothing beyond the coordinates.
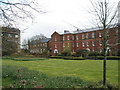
(102, 57)
(73, 58)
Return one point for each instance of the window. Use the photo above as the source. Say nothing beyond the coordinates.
(63, 38)
(93, 35)
(83, 36)
(86, 35)
(68, 44)
(63, 44)
(73, 44)
(100, 35)
(93, 50)
(93, 44)
(55, 45)
(72, 37)
(76, 37)
(87, 44)
(55, 39)
(68, 37)
(16, 36)
(77, 44)
(100, 50)
(9, 35)
(83, 44)
(100, 42)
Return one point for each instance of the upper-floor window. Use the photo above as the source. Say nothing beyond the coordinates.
(9, 35)
(100, 35)
(63, 38)
(93, 35)
(83, 44)
(93, 43)
(55, 39)
(72, 37)
(83, 37)
(16, 36)
(68, 37)
(76, 37)
(86, 35)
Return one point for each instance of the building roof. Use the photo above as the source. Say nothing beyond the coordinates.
(45, 40)
(39, 41)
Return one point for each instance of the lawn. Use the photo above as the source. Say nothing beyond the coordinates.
(87, 70)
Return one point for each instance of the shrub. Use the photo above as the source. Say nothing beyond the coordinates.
(94, 54)
(66, 52)
(81, 52)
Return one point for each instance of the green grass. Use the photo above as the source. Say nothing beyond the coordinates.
(88, 70)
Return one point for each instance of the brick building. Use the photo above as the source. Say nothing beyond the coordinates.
(38, 46)
(89, 39)
(10, 40)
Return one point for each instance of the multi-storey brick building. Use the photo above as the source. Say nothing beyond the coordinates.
(89, 39)
(10, 40)
(38, 46)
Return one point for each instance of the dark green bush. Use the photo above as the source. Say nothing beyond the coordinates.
(81, 52)
(94, 54)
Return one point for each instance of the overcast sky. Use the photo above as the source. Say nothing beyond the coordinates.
(59, 14)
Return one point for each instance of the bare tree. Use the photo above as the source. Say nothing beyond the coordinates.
(105, 15)
(13, 10)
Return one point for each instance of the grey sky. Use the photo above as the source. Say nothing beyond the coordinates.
(59, 12)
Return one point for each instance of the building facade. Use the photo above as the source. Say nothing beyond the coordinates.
(89, 39)
(10, 40)
(38, 46)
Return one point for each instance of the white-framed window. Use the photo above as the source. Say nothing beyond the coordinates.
(100, 35)
(86, 35)
(68, 37)
(93, 43)
(87, 44)
(76, 37)
(16, 36)
(63, 38)
(83, 44)
(77, 44)
(55, 45)
(93, 35)
(55, 39)
(83, 36)
(93, 50)
(72, 37)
